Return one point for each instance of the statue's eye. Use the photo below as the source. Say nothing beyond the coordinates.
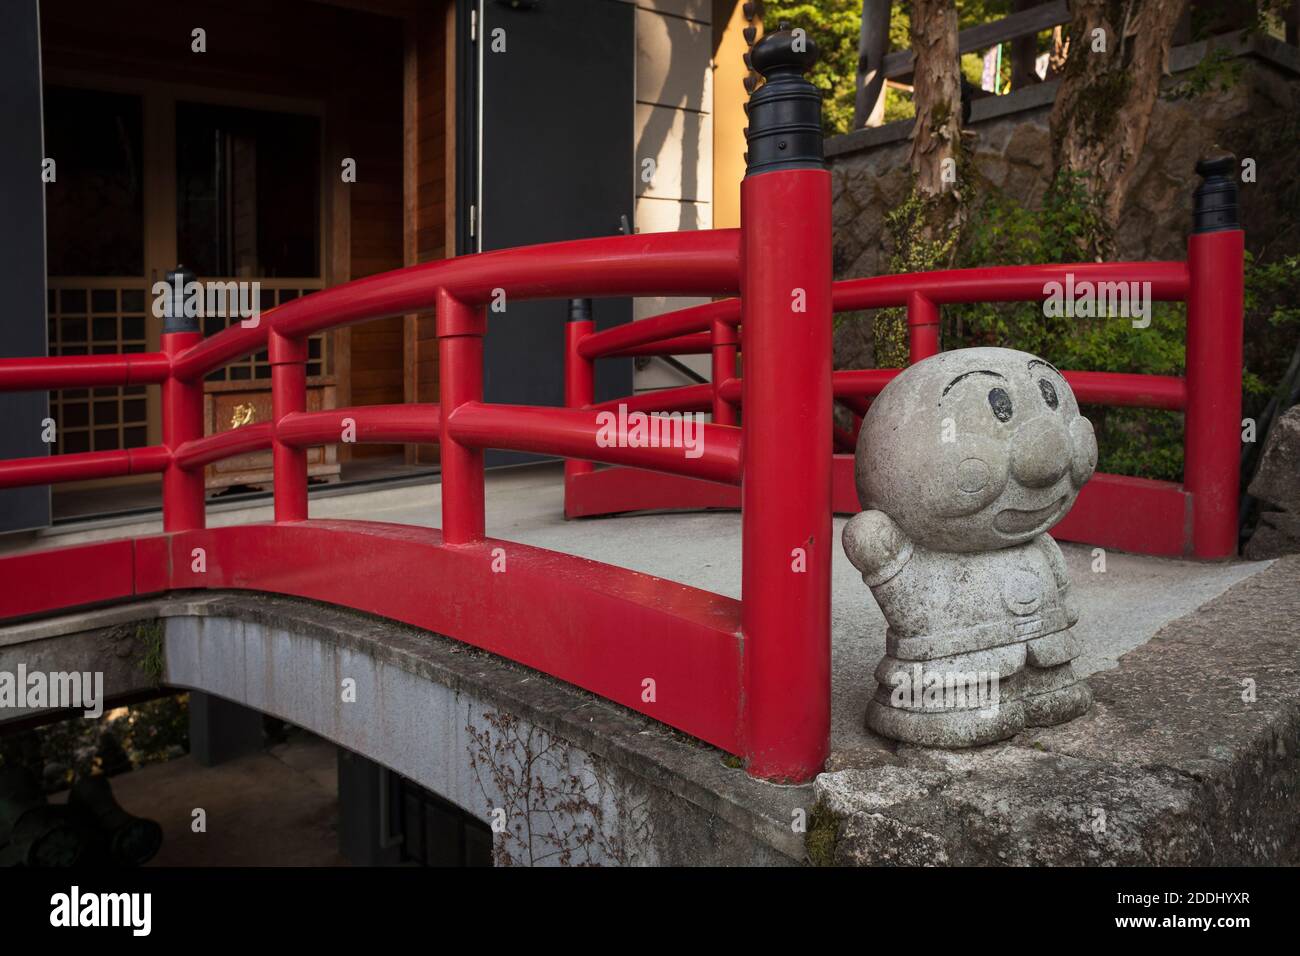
(1049, 393)
(1000, 402)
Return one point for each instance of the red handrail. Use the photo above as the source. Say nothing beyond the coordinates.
(380, 424)
(1209, 281)
(753, 677)
(82, 371)
(83, 466)
(689, 263)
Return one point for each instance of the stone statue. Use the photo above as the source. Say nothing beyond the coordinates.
(964, 462)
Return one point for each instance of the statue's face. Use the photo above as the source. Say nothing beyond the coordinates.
(975, 449)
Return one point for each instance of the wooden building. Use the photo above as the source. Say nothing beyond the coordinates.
(305, 143)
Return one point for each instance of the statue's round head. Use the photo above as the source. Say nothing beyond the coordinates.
(975, 449)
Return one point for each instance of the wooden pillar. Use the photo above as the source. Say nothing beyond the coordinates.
(873, 42)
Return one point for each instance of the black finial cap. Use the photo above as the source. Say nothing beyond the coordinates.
(785, 52)
(785, 113)
(174, 317)
(579, 310)
(1214, 205)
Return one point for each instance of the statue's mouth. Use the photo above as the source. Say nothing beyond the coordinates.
(1015, 521)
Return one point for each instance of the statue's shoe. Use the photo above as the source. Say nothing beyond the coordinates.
(1052, 695)
(984, 666)
(947, 728)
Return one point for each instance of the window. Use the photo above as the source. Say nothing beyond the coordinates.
(248, 192)
(94, 208)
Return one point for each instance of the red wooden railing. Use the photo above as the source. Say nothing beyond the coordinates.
(751, 677)
(1196, 517)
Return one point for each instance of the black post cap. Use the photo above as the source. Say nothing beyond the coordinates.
(785, 113)
(174, 317)
(1214, 205)
(579, 310)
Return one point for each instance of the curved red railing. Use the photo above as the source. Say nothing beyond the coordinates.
(751, 677)
(601, 627)
(1134, 514)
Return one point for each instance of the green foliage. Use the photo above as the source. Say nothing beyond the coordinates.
(1067, 227)
(156, 730)
(1273, 289)
(822, 836)
(834, 26)
(150, 635)
(1216, 73)
(1272, 306)
(912, 253)
(124, 738)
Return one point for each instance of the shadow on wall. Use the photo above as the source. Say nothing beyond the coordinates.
(682, 83)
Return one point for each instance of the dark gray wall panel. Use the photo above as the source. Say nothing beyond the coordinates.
(22, 252)
(557, 163)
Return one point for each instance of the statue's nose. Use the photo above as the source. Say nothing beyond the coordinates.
(1040, 452)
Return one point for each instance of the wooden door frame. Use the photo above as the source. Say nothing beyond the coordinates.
(158, 101)
(410, 175)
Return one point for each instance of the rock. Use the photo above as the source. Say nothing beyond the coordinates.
(993, 168)
(1030, 145)
(1277, 480)
(1277, 534)
(1173, 766)
(1024, 182)
(894, 187)
(854, 345)
(860, 187)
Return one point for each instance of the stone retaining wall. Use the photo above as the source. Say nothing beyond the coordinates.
(1255, 117)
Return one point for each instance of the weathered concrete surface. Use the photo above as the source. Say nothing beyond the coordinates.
(702, 810)
(122, 644)
(1191, 755)
(1172, 765)
(579, 780)
(574, 779)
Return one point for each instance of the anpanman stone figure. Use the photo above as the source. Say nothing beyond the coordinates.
(964, 463)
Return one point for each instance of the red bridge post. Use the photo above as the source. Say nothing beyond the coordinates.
(1212, 426)
(579, 384)
(922, 328)
(182, 413)
(786, 399)
(460, 329)
(288, 358)
(724, 338)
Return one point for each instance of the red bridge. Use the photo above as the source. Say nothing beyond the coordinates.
(751, 677)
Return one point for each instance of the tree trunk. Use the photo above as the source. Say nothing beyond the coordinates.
(1108, 90)
(936, 137)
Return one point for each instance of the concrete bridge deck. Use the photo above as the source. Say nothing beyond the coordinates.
(1172, 765)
